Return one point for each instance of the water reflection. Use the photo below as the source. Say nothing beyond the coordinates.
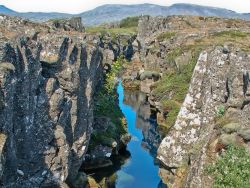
(145, 120)
(137, 168)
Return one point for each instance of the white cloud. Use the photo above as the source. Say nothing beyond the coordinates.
(77, 6)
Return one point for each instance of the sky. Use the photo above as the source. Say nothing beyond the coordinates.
(78, 6)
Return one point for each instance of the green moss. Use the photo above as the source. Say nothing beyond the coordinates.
(165, 36)
(232, 169)
(176, 82)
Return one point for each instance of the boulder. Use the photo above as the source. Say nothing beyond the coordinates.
(245, 134)
(149, 75)
(231, 128)
(228, 139)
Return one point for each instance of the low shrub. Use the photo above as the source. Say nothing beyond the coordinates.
(220, 111)
(165, 36)
(232, 169)
(129, 22)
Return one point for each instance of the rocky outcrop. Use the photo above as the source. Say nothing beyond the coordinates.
(118, 45)
(71, 24)
(157, 36)
(218, 82)
(47, 83)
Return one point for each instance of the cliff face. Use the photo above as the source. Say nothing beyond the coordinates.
(218, 80)
(47, 82)
(192, 93)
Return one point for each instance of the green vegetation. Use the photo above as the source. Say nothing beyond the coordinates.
(165, 36)
(127, 26)
(129, 22)
(172, 88)
(231, 34)
(111, 76)
(220, 111)
(172, 108)
(232, 169)
(106, 106)
(239, 38)
(170, 60)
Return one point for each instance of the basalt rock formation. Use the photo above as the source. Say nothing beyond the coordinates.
(203, 68)
(218, 79)
(47, 82)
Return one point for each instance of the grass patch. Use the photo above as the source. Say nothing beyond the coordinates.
(127, 26)
(173, 87)
(172, 109)
(165, 36)
(238, 38)
(231, 34)
(170, 59)
(232, 169)
(176, 82)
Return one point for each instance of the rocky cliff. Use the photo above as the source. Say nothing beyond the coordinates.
(47, 81)
(202, 92)
(217, 82)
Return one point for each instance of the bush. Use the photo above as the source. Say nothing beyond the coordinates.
(220, 111)
(129, 22)
(111, 77)
(232, 169)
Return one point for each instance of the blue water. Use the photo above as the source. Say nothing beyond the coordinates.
(139, 171)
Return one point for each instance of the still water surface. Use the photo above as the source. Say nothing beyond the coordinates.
(141, 169)
(136, 167)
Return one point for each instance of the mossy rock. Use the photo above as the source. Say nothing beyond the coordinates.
(231, 128)
(228, 139)
(245, 134)
(149, 75)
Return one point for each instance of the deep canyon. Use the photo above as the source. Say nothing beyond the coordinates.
(97, 109)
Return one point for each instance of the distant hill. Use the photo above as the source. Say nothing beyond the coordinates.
(5, 10)
(116, 12)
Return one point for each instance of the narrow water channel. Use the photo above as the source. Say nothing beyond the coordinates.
(136, 167)
(141, 169)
